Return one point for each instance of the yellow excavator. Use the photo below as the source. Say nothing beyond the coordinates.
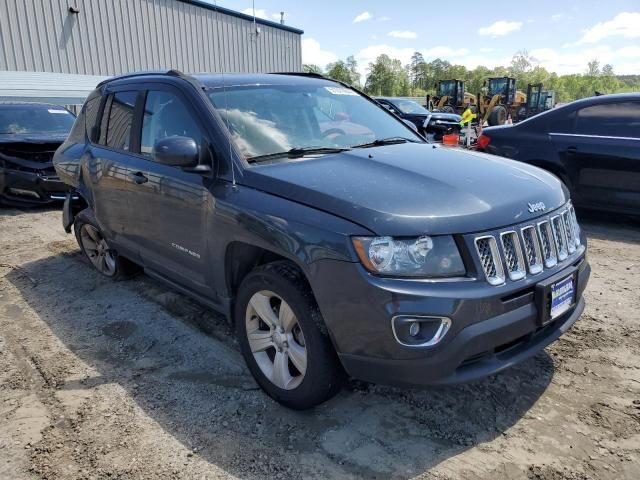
(501, 101)
(451, 97)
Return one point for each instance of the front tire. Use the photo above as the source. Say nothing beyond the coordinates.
(283, 338)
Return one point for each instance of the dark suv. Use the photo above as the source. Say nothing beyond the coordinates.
(332, 235)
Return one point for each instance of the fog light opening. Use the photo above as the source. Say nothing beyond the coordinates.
(23, 192)
(419, 331)
(414, 329)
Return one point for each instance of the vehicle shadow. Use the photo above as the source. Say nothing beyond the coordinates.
(607, 226)
(179, 364)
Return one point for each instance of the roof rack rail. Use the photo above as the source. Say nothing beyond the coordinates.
(172, 72)
(302, 74)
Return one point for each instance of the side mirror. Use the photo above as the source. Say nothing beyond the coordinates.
(484, 84)
(411, 125)
(177, 151)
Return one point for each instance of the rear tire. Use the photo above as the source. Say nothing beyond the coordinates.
(95, 247)
(283, 337)
(498, 115)
(448, 109)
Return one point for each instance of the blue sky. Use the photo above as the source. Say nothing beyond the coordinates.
(562, 35)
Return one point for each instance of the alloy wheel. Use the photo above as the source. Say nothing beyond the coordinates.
(276, 340)
(97, 249)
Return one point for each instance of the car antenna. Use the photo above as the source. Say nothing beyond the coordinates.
(226, 104)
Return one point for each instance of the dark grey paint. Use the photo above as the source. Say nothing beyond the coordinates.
(197, 232)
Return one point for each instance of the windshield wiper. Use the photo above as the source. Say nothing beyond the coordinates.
(385, 141)
(297, 152)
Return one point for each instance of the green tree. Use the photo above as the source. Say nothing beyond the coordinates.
(339, 71)
(311, 68)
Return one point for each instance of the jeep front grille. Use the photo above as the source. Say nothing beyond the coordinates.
(548, 245)
(559, 234)
(487, 249)
(513, 255)
(531, 248)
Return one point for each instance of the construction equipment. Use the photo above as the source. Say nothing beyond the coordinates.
(451, 97)
(538, 100)
(501, 101)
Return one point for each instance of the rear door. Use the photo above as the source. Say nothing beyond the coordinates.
(171, 208)
(107, 158)
(604, 151)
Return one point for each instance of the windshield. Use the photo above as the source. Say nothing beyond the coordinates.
(409, 107)
(269, 119)
(35, 119)
(497, 86)
(447, 89)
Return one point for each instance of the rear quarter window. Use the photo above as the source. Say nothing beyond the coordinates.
(620, 119)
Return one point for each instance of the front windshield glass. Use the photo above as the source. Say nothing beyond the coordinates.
(35, 119)
(497, 86)
(447, 89)
(269, 119)
(409, 106)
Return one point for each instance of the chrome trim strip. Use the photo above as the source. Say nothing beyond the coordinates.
(536, 267)
(521, 271)
(445, 325)
(561, 253)
(582, 135)
(552, 261)
(495, 256)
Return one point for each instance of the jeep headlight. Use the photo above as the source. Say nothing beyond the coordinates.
(423, 256)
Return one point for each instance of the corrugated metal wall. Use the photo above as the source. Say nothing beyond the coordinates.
(109, 37)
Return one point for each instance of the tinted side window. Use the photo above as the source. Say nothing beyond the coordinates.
(165, 115)
(610, 119)
(120, 120)
(563, 122)
(104, 121)
(91, 108)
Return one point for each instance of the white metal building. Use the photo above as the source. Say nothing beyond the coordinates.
(107, 37)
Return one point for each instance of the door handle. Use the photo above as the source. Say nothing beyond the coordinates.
(138, 177)
(572, 150)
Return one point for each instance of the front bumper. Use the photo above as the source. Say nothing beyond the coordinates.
(492, 328)
(18, 187)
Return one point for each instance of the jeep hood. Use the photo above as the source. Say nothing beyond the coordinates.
(413, 189)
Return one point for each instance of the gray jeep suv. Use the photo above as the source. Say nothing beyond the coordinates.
(332, 235)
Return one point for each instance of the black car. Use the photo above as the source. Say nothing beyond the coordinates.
(593, 145)
(431, 125)
(30, 133)
(329, 232)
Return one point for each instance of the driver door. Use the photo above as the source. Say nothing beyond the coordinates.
(170, 215)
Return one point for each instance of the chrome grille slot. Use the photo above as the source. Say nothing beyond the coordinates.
(487, 249)
(547, 243)
(532, 249)
(568, 228)
(576, 226)
(513, 255)
(559, 237)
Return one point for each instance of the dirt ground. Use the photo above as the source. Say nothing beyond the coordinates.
(128, 380)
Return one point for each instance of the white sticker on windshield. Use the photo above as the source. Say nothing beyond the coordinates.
(51, 110)
(340, 91)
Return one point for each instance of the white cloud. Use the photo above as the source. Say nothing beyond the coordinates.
(262, 13)
(556, 17)
(364, 16)
(625, 24)
(313, 53)
(403, 34)
(625, 60)
(383, 19)
(259, 13)
(500, 28)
